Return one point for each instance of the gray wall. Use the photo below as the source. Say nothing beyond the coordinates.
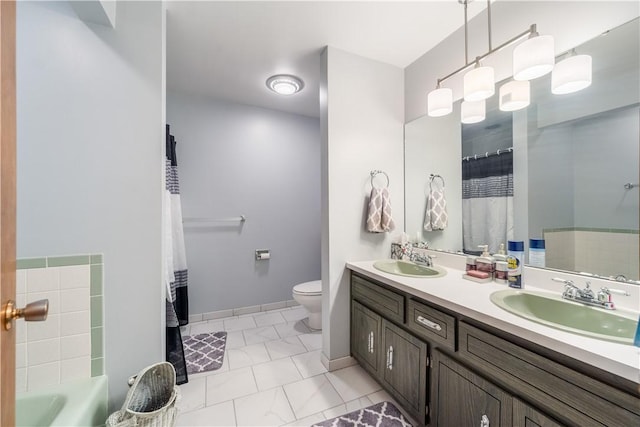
(232, 160)
(90, 150)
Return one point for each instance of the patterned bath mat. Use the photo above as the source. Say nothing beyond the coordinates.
(383, 414)
(204, 352)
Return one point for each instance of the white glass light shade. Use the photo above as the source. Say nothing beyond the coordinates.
(472, 111)
(440, 102)
(479, 84)
(533, 58)
(514, 95)
(571, 75)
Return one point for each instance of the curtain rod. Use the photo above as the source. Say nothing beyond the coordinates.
(488, 154)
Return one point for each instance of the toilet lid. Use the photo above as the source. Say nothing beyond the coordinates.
(309, 288)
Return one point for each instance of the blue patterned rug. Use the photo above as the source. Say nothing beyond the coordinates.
(383, 414)
(204, 352)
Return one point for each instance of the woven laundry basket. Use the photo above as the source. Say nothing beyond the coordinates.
(151, 400)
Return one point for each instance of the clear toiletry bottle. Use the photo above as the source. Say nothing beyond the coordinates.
(502, 272)
(485, 262)
(471, 262)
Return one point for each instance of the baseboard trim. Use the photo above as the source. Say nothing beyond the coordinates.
(339, 363)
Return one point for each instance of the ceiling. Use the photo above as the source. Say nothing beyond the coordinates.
(227, 49)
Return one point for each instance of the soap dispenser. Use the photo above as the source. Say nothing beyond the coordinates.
(485, 262)
(501, 255)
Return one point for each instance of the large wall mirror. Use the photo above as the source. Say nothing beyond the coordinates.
(574, 168)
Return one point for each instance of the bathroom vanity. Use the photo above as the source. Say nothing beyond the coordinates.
(451, 358)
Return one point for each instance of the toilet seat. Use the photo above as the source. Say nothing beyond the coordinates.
(308, 288)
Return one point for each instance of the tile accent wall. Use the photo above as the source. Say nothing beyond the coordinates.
(607, 252)
(69, 344)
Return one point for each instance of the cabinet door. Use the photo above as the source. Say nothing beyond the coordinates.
(405, 368)
(525, 416)
(365, 337)
(461, 398)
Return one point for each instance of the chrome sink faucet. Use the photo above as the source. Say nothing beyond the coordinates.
(586, 295)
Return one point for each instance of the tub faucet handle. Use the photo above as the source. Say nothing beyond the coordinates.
(33, 312)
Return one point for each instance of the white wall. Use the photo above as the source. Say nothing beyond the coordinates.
(570, 22)
(235, 159)
(433, 146)
(90, 162)
(361, 104)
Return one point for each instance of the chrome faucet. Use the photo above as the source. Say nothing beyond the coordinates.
(586, 295)
(426, 259)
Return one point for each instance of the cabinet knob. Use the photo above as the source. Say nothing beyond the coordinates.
(484, 421)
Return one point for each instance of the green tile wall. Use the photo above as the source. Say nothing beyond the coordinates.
(97, 309)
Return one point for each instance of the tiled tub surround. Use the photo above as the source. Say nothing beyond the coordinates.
(606, 252)
(69, 344)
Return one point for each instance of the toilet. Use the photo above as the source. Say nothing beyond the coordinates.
(309, 295)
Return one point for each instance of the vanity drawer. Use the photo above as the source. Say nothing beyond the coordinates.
(386, 302)
(431, 324)
(570, 396)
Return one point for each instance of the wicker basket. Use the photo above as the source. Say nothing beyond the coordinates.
(151, 400)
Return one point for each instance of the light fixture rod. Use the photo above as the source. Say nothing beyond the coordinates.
(489, 23)
(466, 35)
(531, 30)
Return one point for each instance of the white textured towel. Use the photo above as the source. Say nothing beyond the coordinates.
(435, 218)
(379, 218)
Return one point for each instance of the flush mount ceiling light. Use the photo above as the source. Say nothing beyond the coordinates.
(533, 58)
(571, 74)
(285, 84)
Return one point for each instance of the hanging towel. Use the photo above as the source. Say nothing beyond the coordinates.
(379, 218)
(435, 217)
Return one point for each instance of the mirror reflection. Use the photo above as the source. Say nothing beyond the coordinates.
(564, 170)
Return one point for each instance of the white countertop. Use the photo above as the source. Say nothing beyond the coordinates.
(471, 299)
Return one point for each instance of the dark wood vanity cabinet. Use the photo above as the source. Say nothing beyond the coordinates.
(397, 359)
(462, 398)
(448, 370)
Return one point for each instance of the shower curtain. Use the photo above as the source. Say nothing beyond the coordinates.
(177, 303)
(487, 202)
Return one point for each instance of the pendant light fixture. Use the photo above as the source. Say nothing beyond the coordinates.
(472, 111)
(479, 83)
(440, 102)
(571, 74)
(514, 95)
(534, 57)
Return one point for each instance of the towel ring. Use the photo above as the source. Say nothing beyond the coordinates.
(376, 172)
(434, 176)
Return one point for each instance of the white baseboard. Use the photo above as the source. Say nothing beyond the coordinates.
(339, 363)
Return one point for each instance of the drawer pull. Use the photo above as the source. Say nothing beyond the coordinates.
(371, 342)
(484, 421)
(429, 324)
(390, 358)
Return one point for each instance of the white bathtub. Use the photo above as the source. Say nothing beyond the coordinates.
(74, 403)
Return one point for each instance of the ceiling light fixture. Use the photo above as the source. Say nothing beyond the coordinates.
(472, 111)
(532, 58)
(440, 102)
(571, 74)
(514, 95)
(285, 84)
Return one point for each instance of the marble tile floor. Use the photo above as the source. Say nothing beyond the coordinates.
(272, 376)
